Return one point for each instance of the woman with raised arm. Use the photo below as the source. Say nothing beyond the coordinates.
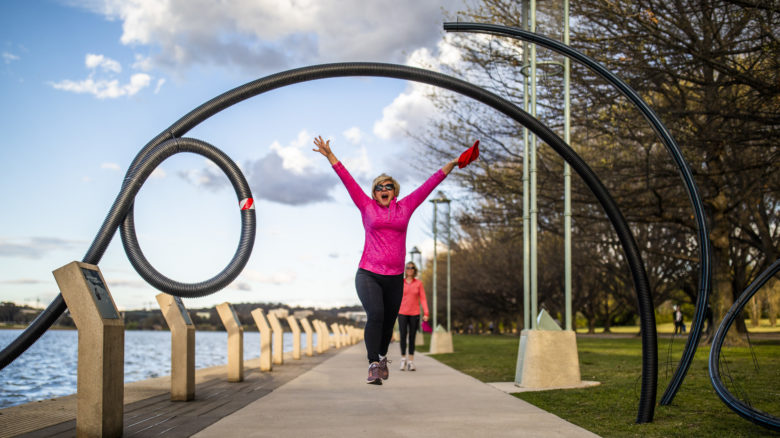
(380, 277)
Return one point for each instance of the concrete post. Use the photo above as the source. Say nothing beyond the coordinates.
(309, 336)
(235, 341)
(336, 337)
(266, 364)
(101, 337)
(182, 347)
(296, 334)
(323, 340)
(278, 338)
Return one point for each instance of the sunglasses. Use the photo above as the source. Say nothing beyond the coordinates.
(410, 267)
(380, 187)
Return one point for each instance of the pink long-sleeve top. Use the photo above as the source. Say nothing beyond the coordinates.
(384, 250)
(414, 294)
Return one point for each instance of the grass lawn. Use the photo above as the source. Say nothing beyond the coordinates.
(611, 408)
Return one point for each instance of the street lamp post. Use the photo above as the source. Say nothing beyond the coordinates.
(441, 199)
(415, 251)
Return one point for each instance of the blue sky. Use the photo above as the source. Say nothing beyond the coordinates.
(85, 84)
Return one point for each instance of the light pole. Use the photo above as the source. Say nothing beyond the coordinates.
(441, 199)
(415, 251)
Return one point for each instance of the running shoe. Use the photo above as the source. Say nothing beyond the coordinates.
(374, 374)
(383, 371)
(410, 366)
(403, 364)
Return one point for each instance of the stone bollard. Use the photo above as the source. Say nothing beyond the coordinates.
(309, 336)
(266, 364)
(235, 341)
(101, 342)
(321, 340)
(296, 334)
(278, 338)
(182, 347)
(336, 338)
(325, 336)
(441, 341)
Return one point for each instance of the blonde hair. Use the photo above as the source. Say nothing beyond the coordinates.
(385, 177)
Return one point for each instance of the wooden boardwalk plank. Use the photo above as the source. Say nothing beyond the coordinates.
(214, 399)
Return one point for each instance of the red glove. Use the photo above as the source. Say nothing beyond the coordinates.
(470, 155)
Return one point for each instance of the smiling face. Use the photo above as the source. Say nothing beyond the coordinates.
(384, 192)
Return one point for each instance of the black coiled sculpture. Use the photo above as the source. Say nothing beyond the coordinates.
(148, 158)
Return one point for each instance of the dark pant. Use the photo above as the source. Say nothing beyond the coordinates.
(408, 323)
(381, 298)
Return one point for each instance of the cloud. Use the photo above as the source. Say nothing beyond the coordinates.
(35, 247)
(271, 180)
(106, 64)
(411, 110)
(286, 175)
(253, 276)
(110, 166)
(22, 281)
(9, 57)
(104, 87)
(209, 178)
(268, 35)
(354, 135)
(158, 173)
(160, 83)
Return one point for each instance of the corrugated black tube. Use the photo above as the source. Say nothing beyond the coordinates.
(745, 411)
(304, 74)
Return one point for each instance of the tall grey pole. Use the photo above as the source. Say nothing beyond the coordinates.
(434, 265)
(534, 210)
(526, 190)
(567, 171)
(449, 270)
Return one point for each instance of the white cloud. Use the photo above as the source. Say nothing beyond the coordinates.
(412, 109)
(360, 165)
(408, 112)
(106, 64)
(101, 81)
(9, 57)
(354, 135)
(277, 278)
(268, 35)
(160, 83)
(110, 166)
(103, 88)
(158, 173)
(293, 156)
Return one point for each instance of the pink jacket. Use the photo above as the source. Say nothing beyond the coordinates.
(414, 294)
(384, 250)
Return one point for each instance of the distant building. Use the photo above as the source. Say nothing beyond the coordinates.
(354, 316)
(298, 314)
(203, 315)
(280, 313)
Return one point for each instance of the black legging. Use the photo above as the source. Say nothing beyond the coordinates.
(381, 298)
(410, 323)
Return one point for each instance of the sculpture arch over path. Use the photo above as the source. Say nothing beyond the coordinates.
(170, 138)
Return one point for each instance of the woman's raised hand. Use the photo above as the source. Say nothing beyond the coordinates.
(323, 147)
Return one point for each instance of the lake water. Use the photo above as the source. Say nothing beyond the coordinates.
(48, 368)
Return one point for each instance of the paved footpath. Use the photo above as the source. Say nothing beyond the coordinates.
(332, 400)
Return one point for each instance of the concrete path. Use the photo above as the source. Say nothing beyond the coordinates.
(332, 400)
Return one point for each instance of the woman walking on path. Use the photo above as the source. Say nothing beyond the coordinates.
(409, 314)
(379, 279)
